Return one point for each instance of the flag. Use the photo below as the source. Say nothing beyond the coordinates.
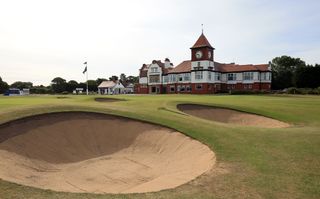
(85, 69)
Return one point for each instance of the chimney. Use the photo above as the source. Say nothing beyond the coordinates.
(167, 63)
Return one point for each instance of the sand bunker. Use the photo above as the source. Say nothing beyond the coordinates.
(230, 116)
(107, 99)
(97, 153)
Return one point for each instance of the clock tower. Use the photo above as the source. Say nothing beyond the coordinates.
(202, 54)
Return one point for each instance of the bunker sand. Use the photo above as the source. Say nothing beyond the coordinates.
(97, 153)
(230, 116)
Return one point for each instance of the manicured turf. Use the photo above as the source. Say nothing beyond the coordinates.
(252, 162)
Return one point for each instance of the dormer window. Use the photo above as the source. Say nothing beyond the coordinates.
(154, 69)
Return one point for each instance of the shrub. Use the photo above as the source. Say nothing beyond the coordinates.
(247, 92)
(303, 91)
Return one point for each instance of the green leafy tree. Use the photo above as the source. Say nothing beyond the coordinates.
(41, 90)
(308, 77)
(3, 86)
(92, 85)
(132, 79)
(123, 79)
(100, 80)
(21, 85)
(284, 70)
(113, 78)
(58, 85)
(71, 86)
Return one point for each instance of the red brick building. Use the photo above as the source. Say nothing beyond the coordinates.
(201, 74)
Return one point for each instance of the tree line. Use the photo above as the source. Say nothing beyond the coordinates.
(287, 72)
(293, 72)
(61, 85)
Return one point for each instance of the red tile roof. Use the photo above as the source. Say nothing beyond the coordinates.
(202, 42)
(239, 68)
(185, 66)
(143, 73)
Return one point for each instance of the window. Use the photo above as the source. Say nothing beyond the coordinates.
(187, 77)
(232, 76)
(180, 78)
(172, 78)
(154, 78)
(265, 76)
(231, 86)
(199, 64)
(181, 88)
(209, 75)
(199, 86)
(188, 88)
(217, 76)
(199, 75)
(172, 89)
(248, 76)
(247, 86)
(154, 69)
(165, 79)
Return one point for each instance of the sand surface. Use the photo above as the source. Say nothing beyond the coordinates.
(230, 116)
(89, 152)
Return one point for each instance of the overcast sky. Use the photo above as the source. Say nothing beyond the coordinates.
(42, 39)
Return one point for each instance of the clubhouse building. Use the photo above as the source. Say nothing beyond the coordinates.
(201, 74)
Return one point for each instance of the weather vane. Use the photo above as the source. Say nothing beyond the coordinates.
(202, 28)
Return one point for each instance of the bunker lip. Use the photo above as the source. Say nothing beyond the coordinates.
(230, 116)
(98, 153)
(102, 99)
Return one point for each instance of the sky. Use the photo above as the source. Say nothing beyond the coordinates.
(44, 39)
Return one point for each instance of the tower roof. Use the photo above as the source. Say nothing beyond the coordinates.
(202, 42)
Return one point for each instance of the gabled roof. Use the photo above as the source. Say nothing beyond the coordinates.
(202, 42)
(107, 84)
(185, 66)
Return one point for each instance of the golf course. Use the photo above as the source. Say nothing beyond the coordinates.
(177, 146)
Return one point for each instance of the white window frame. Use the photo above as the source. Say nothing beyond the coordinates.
(198, 75)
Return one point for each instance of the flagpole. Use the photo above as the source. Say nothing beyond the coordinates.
(87, 78)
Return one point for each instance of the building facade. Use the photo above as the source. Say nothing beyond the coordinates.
(202, 74)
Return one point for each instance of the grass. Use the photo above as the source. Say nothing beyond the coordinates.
(252, 162)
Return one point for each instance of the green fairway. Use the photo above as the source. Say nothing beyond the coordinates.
(252, 162)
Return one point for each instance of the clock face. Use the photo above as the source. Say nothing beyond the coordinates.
(198, 54)
(209, 54)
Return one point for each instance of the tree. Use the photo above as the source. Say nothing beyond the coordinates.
(71, 86)
(3, 86)
(100, 80)
(284, 70)
(113, 78)
(132, 79)
(308, 77)
(123, 79)
(41, 90)
(58, 85)
(92, 85)
(21, 85)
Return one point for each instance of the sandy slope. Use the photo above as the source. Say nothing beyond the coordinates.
(88, 152)
(230, 116)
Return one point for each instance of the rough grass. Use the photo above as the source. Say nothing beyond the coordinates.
(252, 162)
